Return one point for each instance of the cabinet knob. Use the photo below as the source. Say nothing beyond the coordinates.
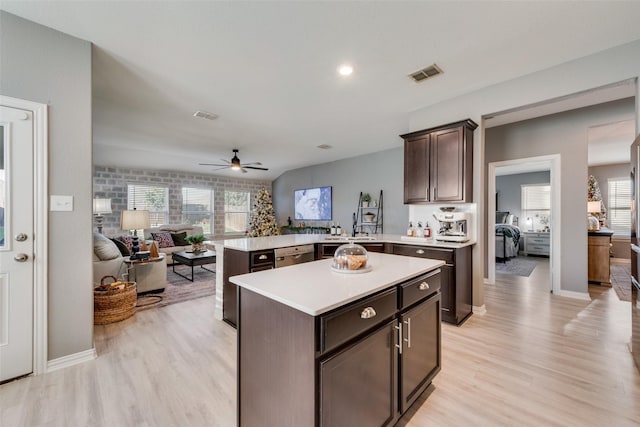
(423, 286)
(368, 313)
(262, 257)
(420, 251)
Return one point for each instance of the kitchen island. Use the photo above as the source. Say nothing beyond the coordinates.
(244, 255)
(322, 348)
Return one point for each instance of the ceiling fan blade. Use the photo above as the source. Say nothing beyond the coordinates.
(223, 167)
(212, 164)
(252, 164)
(256, 168)
(243, 170)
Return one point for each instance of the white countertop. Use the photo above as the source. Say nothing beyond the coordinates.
(314, 288)
(249, 244)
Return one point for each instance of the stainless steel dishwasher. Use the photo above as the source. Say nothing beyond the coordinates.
(293, 255)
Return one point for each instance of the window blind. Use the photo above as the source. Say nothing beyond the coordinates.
(155, 199)
(619, 214)
(536, 197)
(197, 207)
(236, 211)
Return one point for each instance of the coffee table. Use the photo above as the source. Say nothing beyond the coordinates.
(192, 259)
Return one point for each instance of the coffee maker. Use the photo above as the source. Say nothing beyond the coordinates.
(453, 226)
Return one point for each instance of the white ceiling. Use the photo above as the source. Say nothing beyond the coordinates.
(268, 69)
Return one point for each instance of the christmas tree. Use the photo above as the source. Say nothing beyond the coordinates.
(263, 218)
(593, 195)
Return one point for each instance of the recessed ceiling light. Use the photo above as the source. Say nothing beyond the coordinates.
(345, 70)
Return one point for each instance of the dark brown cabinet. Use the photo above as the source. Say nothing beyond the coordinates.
(326, 250)
(235, 263)
(361, 364)
(438, 164)
(456, 278)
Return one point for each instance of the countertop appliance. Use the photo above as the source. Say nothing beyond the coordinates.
(635, 251)
(453, 226)
(293, 255)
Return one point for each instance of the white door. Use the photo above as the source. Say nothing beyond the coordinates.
(16, 243)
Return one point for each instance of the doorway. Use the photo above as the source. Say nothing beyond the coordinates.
(551, 164)
(23, 201)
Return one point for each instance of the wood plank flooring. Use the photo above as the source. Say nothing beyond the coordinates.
(533, 360)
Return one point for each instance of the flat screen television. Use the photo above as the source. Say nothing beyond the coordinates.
(312, 204)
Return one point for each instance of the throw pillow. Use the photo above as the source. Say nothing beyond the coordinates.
(179, 239)
(127, 240)
(164, 239)
(104, 248)
(122, 247)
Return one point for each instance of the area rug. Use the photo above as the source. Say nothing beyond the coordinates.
(516, 266)
(621, 280)
(179, 289)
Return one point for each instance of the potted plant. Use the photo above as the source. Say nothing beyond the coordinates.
(196, 242)
(366, 198)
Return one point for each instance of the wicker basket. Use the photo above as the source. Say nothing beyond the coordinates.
(114, 305)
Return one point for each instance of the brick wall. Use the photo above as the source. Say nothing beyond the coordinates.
(111, 182)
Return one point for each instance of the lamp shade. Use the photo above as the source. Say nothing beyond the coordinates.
(134, 220)
(594, 206)
(101, 206)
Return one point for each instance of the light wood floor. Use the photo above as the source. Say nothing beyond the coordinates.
(533, 360)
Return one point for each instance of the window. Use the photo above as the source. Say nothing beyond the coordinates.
(197, 208)
(155, 199)
(619, 215)
(536, 206)
(236, 211)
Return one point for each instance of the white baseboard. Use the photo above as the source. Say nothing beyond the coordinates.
(479, 310)
(576, 295)
(72, 359)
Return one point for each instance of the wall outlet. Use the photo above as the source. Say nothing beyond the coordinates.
(61, 203)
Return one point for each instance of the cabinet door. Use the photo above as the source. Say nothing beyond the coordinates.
(359, 385)
(416, 170)
(447, 165)
(235, 262)
(420, 359)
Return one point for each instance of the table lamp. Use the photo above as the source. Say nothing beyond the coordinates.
(101, 207)
(134, 220)
(593, 222)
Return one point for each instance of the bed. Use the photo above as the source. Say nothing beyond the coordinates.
(507, 236)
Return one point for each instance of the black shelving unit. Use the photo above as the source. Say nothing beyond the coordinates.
(364, 224)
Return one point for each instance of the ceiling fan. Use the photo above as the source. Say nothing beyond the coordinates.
(236, 165)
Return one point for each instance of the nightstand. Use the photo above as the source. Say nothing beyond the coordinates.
(536, 243)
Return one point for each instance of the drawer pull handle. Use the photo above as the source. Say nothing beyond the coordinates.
(262, 257)
(420, 251)
(423, 286)
(368, 313)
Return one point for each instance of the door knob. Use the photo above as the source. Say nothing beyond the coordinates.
(21, 237)
(21, 257)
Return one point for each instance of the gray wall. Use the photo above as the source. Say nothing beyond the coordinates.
(43, 65)
(509, 191)
(370, 173)
(111, 182)
(564, 134)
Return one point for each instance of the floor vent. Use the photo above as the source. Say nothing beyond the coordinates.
(425, 73)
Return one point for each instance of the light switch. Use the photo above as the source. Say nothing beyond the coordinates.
(61, 203)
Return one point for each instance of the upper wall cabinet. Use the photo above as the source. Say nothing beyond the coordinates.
(438, 164)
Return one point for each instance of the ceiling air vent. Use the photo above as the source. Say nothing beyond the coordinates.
(205, 115)
(425, 73)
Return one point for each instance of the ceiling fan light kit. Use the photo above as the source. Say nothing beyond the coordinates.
(235, 164)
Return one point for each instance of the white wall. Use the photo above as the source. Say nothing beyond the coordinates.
(607, 67)
(43, 65)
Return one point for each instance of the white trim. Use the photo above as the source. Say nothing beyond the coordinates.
(41, 220)
(572, 294)
(72, 359)
(554, 266)
(480, 310)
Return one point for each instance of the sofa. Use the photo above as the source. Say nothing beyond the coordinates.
(175, 241)
(108, 260)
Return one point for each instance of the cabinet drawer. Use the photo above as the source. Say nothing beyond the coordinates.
(538, 240)
(262, 257)
(419, 288)
(340, 326)
(445, 255)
